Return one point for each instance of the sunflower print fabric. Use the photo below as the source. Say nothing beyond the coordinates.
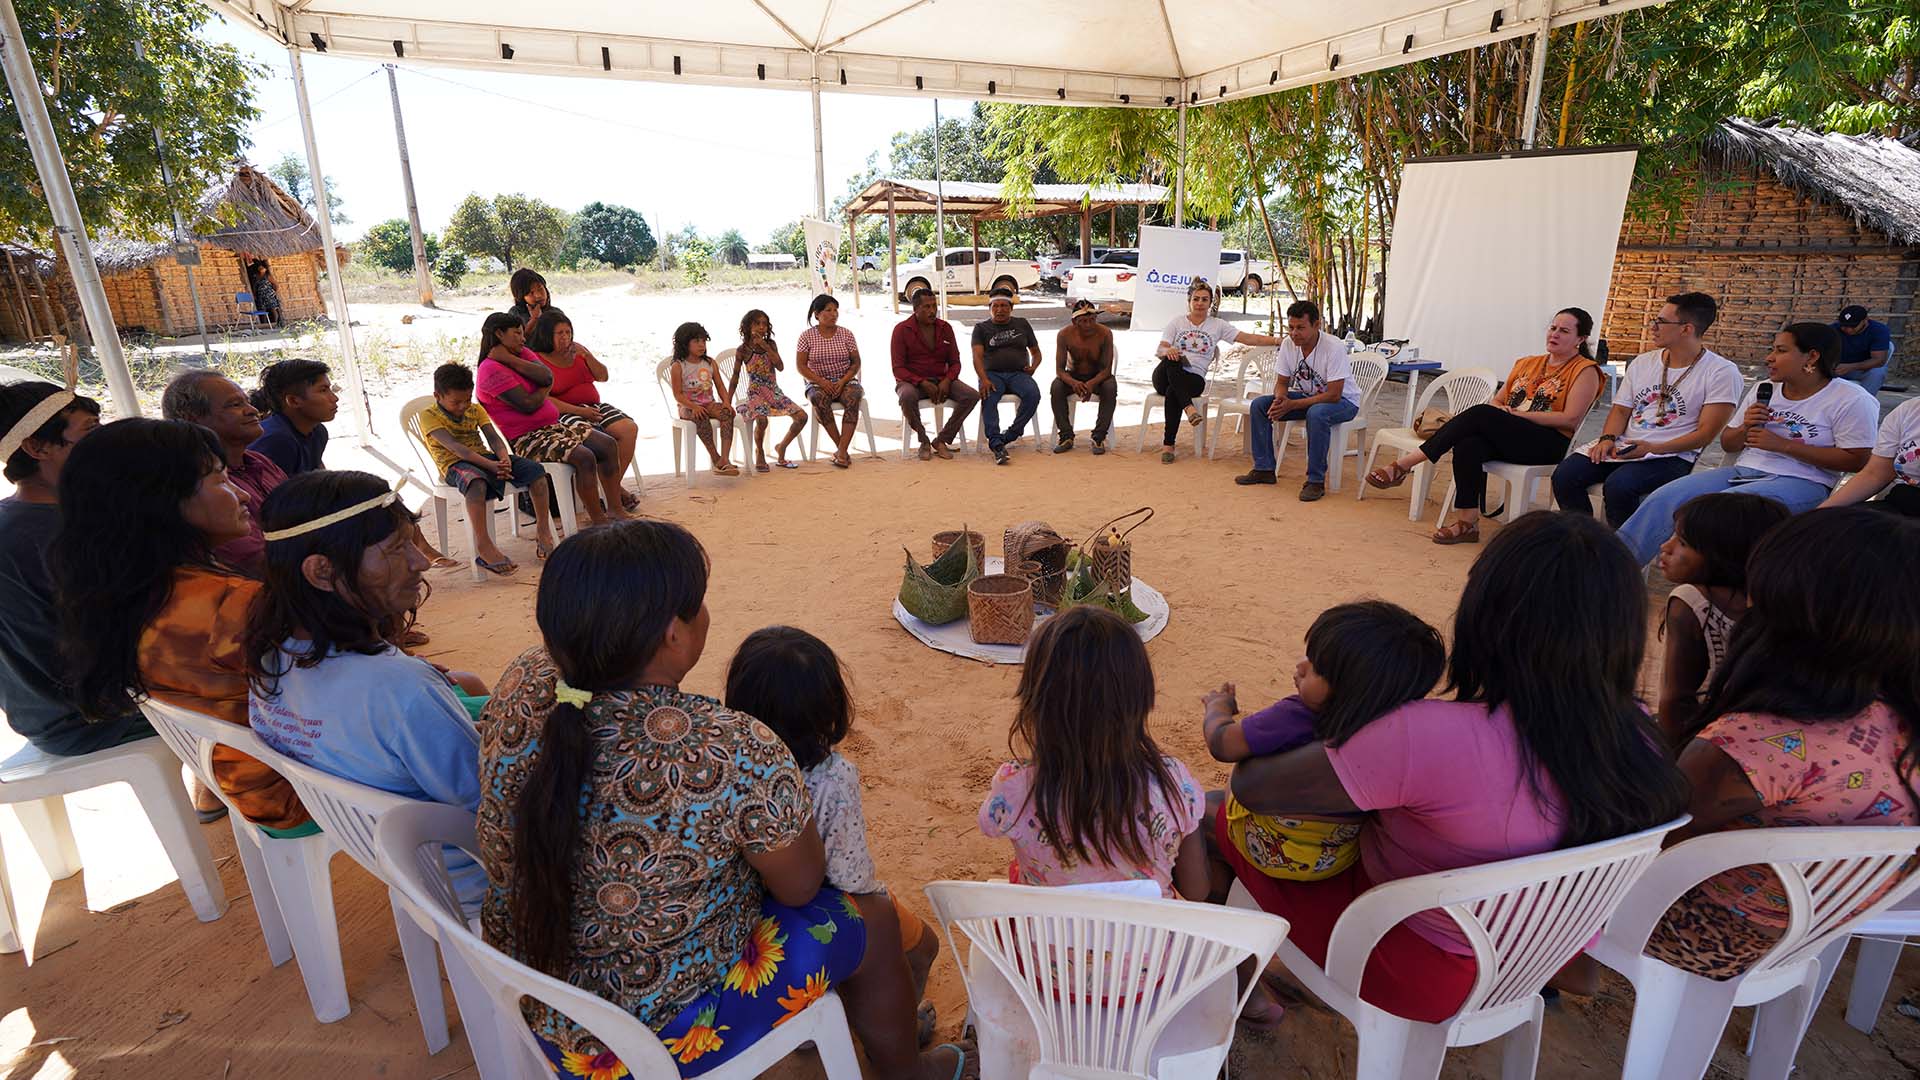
(791, 959)
(666, 910)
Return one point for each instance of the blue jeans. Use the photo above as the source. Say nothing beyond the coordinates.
(1650, 525)
(1622, 483)
(1320, 419)
(1000, 383)
(1871, 380)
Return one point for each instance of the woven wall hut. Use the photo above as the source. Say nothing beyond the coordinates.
(246, 218)
(1785, 224)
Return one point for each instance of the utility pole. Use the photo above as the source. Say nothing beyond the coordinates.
(420, 276)
(181, 238)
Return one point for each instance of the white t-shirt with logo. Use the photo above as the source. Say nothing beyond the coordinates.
(1900, 442)
(1310, 373)
(1199, 345)
(1711, 380)
(1841, 414)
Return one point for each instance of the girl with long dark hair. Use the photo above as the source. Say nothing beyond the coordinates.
(1793, 446)
(1811, 720)
(1542, 747)
(146, 608)
(618, 807)
(762, 399)
(1531, 421)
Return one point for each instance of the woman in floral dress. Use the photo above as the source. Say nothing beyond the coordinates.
(764, 400)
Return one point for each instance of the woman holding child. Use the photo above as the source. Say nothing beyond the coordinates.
(653, 846)
(1542, 746)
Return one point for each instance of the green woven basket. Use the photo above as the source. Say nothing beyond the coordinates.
(936, 594)
(1084, 586)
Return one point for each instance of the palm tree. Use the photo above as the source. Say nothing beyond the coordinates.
(732, 248)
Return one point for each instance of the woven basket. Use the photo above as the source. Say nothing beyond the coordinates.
(936, 594)
(1036, 541)
(944, 540)
(1111, 553)
(1000, 609)
(1028, 570)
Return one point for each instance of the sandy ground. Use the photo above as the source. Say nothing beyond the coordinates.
(123, 981)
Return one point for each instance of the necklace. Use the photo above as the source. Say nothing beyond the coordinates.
(1660, 407)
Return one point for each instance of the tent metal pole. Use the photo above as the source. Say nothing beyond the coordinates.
(421, 279)
(893, 253)
(1180, 174)
(1539, 76)
(68, 228)
(360, 408)
(939, 214)
(819, 152)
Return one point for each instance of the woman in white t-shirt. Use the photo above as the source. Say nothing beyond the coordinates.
(1793, 446)
(1895, 461)
(1188, 347)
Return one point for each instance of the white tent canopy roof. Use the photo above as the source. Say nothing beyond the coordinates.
(1104, 52)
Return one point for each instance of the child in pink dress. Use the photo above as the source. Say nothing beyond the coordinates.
(1094, 799)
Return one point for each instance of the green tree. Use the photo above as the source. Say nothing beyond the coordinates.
(731, 248)
(449, 268)
(696, 258)
(390, 245)
(790, 238)
(611, 234)
(512, 230)
(290, 172)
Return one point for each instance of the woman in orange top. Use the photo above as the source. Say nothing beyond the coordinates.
(146, 609)
(1530, 422)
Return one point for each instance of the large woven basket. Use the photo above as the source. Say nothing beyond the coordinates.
(1000, 609)
(1037, 542)
(1111, 553)
(944, 540)
(936, 594)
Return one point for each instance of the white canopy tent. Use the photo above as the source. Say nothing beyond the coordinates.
(1115, 53)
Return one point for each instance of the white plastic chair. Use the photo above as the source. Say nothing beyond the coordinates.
(1522, 483)
(34, 784)
(410, 839)
(1464, 389)
(291, 884)
(1091, 986)
(686, 437)
(939, 422)
(445, 495)
(348, 813)
(1370, 371)
(1037, 427)
(1826, 873)
(1254, 377)
(1525, 918)
(1881, 940)
(1201, 431)
(866, 425)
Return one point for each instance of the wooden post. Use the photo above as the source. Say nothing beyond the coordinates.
(1113, 226)
(893, 254)
(974, 221)
(20, 293)
(44, 292)
(160, 301)
(1086, 235)
(853, 256)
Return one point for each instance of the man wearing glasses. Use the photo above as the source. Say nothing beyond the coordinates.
(1673, 402)
(1083, 357)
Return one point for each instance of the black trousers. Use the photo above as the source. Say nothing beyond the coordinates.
(1179, 386)
(1484, 433)
(1903, 499)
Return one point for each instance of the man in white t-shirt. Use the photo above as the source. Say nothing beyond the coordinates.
(1673, 402)
(1320, 389)
(1893, 468)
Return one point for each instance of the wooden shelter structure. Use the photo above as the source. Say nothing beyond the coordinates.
(247, 217)
(979, 202)
(1785, 224)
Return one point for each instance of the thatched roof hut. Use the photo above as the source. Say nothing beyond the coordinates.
(245, 219)
(1785, 224)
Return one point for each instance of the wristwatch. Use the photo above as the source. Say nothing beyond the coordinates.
(1609, 438)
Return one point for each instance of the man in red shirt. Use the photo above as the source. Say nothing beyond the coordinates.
(926, 367)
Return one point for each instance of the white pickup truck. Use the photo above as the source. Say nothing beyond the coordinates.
(970, 271)
(1110, 282)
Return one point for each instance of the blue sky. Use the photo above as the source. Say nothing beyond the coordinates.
(713, 157)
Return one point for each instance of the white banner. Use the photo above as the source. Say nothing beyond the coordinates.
(1485, 250)
(1169, 261)
(823, 253)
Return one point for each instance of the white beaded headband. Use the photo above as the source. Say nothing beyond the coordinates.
(384, 499)
(20, 432)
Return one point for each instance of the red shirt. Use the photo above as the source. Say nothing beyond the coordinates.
(572, 384)
(913, 362)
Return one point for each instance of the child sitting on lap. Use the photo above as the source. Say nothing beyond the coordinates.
(791, 681)
(1095, 799)
(454, 428)
(1363, 661)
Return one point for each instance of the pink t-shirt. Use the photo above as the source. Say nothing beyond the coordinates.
(1450, 787)
(494, 379)
(1006, 813)
(828, 357)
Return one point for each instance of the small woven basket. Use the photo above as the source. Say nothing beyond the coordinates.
(1111, 553)
(944, 540)
(1028, 569)
(1000, 609)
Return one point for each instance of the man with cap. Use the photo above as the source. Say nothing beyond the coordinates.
(1084, 358)
(926, 367)
(1005, 356)
(1865, 345)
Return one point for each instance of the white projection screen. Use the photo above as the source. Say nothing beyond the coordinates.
(1486, 249)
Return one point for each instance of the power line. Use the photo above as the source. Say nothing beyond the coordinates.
(296, 114)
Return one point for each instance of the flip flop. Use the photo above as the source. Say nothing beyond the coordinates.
(629, 500)
(960, 1066)
(785, 464)
(728, 469)
(763, 467)
(542, 550)
(924, 1021)
(208, 817)
(838, 464)
(503, 567)
(442, 563)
